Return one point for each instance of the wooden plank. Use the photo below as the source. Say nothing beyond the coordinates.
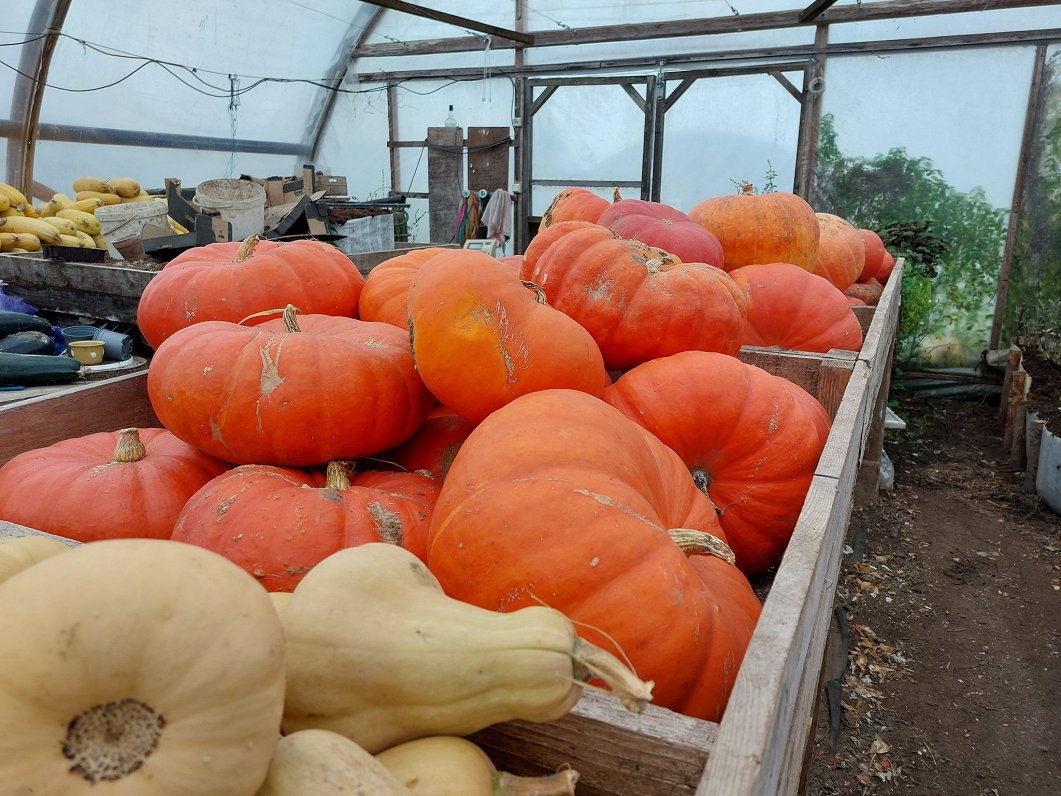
(541, 98)
(514, 36)
(445, 161)
(703, 26)
(1029, 140)
(770, 712)
(865, 317)
(802, 368)
(614, 751)
(105, 405)
(810, 116)
(392, 133)
(12, 530)
(366, 261)
(488, 149)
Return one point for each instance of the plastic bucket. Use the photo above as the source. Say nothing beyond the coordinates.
(73, 334)
(116, 346)
(125, 222)
(240, 202)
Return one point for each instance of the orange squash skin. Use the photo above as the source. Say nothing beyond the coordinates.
(754, 440)
(385, 297)
(841, 252)
(558, 498)
(481, 338)
(761, 228)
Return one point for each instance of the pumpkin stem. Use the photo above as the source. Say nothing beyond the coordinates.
(129, 448)
(337, 475)
(246, 249)
(263, 313)
(747, 188)
(700, 543)
(539, 293)
(562, 783)
(616, 196)
(593, 661)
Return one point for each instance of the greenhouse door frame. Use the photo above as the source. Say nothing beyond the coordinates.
(654, 104)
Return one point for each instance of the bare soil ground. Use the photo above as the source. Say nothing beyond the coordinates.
(949, 675)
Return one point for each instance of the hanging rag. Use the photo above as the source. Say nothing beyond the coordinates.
(495, 216)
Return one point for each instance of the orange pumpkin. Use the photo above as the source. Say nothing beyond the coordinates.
(290, 392)
(638, 302)
(432, 448)
(574, 204)
(869, 291)
(874, 249)
(557, 498)
(841, 253)
(752, 441)
(761, 228)
(792, 308)
(385, 297)
(277, 523)
(109, 485)
(481, 337)
(231, 281)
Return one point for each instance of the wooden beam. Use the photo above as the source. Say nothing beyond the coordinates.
(1032, 115)
(876, 47)
(453, 19)
(706, 26)
(542, 98)
(28, 92)
(392, 134)
(631, 92)
(810, 117)
(787, 85)
(333, 94)
(814, 10)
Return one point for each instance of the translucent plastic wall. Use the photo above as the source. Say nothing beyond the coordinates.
(929, 143)
(1033, 308)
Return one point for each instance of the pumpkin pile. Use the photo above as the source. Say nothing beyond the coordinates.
(551, 471)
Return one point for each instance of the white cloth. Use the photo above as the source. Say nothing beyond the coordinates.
(496, 216)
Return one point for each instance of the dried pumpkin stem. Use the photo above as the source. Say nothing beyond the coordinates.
(700, 543)
(562, 783)
(539, 293)
(592, 661)
(246, 249)
(129, 448)
(337, 475)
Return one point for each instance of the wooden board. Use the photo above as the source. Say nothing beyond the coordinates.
(488, 149)
(445, 162)
(106, 292)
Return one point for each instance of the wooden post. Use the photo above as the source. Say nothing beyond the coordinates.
(810, 116)
(1033, 445)
(444, 183)
(392, 136)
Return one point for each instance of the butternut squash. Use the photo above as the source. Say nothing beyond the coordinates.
(324, 763)
(446, 765)
(138, 667)
(21, 552)
(378, 653)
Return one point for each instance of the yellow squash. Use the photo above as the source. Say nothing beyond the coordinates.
(377, 652)
(21, 552)
(34, 226)
(86, 222)
(94, 184)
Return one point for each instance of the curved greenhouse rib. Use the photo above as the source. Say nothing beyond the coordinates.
(342, 70)
(28, 92)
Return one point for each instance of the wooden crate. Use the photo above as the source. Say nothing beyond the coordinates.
(759, 747)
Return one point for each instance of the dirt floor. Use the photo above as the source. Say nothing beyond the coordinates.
(950, 597)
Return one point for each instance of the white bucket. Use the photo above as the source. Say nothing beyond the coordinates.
(126, 221)
(240, 202)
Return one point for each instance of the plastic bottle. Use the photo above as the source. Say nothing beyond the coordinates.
(451, 120)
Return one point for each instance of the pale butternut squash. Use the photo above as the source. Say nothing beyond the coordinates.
(378, 653)
(137, 667)
(446, 765)
(20, 552)
(324, 763)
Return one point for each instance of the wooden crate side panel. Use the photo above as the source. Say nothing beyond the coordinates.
(822, 375)
(865, 317)
(655, 753)
(768, 719)
(107, 405)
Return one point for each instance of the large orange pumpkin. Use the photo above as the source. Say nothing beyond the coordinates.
(874, 250)
(793, 308)
(109, 485)
(637, 301)
(761, 228)
(841, 252)
(752, 441)
(481, 337)
(231, 281)
(385, 297)
(277, 523)
(291, 393)
(558, 499)
(574, 204)
(434, 445)
(664, 227)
